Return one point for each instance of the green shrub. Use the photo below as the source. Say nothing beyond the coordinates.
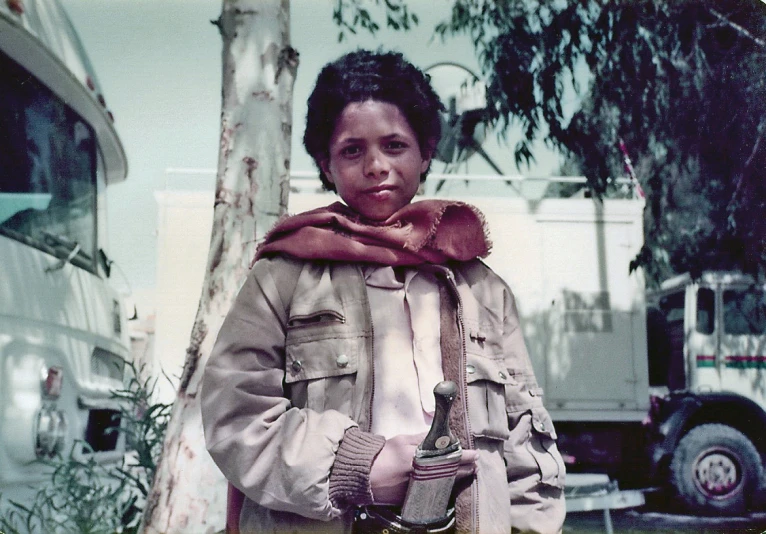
(88, 497)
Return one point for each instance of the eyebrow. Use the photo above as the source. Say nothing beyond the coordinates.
(361, 139)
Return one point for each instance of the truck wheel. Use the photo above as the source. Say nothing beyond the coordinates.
(715, 470)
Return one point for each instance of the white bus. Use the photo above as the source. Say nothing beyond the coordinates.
(63, 331)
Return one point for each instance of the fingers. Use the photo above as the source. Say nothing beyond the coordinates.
(465, 471)
(467, 466)
(469, 456)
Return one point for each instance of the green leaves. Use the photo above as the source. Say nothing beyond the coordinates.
(680, 80)
(349, 15)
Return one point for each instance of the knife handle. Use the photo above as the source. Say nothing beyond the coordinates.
(440, 440)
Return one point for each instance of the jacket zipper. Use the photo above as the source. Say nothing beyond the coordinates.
(464, 385)
(371, 352)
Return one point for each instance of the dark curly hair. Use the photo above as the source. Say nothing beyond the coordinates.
(364, 75)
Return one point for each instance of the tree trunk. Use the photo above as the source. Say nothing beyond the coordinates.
(189, 493)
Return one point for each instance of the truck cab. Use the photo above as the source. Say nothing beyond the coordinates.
(63, 332)
(707, 367)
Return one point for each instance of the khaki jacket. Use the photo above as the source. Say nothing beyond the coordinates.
(291, 371)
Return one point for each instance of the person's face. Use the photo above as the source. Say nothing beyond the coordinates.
(375, 160)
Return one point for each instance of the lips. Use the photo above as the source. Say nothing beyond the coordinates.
(379, 189)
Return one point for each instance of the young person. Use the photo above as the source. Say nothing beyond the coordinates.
(320, 385)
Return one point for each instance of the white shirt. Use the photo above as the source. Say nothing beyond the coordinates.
(406, 349)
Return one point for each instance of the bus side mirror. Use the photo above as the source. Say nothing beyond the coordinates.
(106, 263)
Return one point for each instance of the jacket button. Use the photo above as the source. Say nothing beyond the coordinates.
(297, 366)
(471, 369)
(342, 360)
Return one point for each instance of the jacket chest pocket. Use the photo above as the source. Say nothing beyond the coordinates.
(487, 379)
(321, 362)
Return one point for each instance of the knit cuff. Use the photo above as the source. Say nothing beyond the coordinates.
(350, 473)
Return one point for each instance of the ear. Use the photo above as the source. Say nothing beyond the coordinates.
(325, 166)
(423, 165)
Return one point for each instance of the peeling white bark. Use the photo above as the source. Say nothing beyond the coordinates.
(189, 493)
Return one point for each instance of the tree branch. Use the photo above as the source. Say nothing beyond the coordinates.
(756, 144)
(739, 29)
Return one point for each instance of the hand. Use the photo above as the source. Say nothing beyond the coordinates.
(390, 472)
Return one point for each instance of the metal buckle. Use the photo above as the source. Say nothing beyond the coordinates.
(386, 520)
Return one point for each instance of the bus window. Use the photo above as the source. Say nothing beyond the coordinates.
(47, 169)
(744, 311)
(705, 311)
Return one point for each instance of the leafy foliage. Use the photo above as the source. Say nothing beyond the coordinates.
(83, 497)
(681, 81)
(349, 15)
(144, 424)
(88, 496)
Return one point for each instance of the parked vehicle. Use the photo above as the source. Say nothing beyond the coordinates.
(707, 349)
(63, 333)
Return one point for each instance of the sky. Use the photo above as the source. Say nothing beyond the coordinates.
(159, 64)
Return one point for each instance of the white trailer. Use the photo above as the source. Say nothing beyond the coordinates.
(63, 331)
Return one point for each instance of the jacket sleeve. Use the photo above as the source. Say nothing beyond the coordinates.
(535, 469)
(279, 456)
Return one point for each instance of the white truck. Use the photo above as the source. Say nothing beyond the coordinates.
(707, 367)
(63, 330)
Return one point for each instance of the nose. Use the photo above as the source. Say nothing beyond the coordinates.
(376, 163)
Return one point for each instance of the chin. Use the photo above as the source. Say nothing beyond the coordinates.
(377, 215)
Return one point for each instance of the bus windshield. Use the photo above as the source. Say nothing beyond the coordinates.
(47, 170)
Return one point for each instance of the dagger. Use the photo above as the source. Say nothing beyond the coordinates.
(435, 464)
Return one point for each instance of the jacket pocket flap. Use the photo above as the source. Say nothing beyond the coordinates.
(487, 379)
(331, 309)
(323, 358)
(542, 423)
(479, 368)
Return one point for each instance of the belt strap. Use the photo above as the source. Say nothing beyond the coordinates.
(386, 520)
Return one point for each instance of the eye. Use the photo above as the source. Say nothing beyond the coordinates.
(396, 145)
(350, 151)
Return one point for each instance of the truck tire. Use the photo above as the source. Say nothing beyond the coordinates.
(715, 470)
